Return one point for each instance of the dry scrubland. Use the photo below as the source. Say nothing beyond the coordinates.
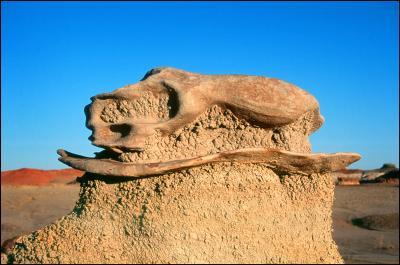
(26, 208)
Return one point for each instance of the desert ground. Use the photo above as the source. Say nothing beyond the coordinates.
(27, 208)
(378, 244)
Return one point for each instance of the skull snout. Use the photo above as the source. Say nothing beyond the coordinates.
(124, 136)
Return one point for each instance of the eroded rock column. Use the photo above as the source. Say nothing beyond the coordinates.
(197, 169)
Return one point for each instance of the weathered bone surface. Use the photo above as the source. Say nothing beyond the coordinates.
(129, 120)
(267, 102)
(278, 160)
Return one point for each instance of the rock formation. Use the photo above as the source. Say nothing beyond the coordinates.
(371, 176)
(347, 176)
(388, 173)
(199, 169)
(347, 181)
(390, 177)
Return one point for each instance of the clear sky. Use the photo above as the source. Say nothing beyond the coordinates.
(56, 55)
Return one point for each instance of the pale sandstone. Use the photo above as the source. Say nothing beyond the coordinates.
(218, 213)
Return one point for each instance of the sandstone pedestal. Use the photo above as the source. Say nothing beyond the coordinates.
(210, 214)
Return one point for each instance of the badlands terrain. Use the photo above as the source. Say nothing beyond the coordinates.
(365, 217)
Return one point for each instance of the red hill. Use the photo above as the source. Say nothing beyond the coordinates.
(38, 177)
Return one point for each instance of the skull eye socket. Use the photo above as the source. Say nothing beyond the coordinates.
(173, 101)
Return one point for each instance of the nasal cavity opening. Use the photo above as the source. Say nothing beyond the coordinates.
(121, 129)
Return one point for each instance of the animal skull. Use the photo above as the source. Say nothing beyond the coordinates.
(264, 101)
(167, 99)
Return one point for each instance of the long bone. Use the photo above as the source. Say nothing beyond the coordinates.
(278, 160)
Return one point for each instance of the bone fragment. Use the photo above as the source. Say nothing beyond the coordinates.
(278, 160)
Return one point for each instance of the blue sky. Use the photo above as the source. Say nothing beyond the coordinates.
(56, 55)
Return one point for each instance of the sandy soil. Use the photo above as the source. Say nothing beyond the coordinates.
(27, 208)
(359, 245)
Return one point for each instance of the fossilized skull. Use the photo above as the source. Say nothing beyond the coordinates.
(130, 119)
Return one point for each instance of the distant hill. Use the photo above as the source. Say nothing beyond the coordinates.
(350, 171)
(388, 173)
(38, 177)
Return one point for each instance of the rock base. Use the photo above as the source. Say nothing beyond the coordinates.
(215, 213)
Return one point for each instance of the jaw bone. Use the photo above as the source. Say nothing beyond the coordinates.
(278, 160)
